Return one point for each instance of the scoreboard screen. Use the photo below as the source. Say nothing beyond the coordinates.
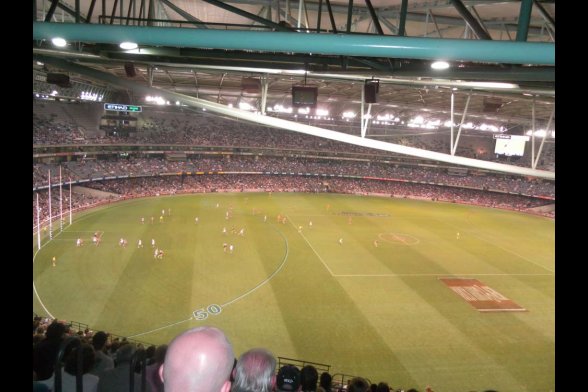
(510, 145)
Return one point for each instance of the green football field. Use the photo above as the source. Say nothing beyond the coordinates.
(359, 290)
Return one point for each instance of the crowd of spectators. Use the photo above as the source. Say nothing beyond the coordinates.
(199, 359)
(87, 169)
(173, 127)
(161, 185)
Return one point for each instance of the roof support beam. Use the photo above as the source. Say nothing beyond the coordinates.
(331, 16)
(403, 15)
(113, 13)
(183, 13)
(77, 11)
(463, 116)
(435, 23)
(248, 15)
(349, 14)
(71, 12)
(471, 20)
(390, 25)
(545, 14)
(90, 11)
(131, 4)
(536, 53)
(374, 17)
(51, 10)
(150, 12)
(524, 20)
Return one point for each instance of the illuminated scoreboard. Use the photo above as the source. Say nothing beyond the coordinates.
(117, 107)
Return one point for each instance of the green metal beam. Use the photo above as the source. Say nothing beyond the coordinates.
(331, 16)
(402, 22)
(545, 14)
(51, 10)
(90, 11)
(535, 53)
(471, 20)
(524, 19)
(374, 17)
(77, 12)
(349, 15)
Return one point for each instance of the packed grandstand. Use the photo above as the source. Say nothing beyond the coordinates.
(169, 147)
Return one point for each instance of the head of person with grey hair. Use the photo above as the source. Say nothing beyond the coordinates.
(198, 360)
(255, 372)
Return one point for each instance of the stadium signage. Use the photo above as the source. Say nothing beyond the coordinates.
(117, 107)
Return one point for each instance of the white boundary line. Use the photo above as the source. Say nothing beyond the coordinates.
(311, 247)
(235, 299)
(35, 288)
(444, 275)
(160, 328)
(268, 278)
(51, 239)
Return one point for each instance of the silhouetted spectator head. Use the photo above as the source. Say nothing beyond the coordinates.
(255, 372)
(55, 331)
(383, 387)
(325, 381)
(71, 359)
(308, 378)
(358, 384)
(288, 378)
(99, 340)
(149, 351)
(198, 360)
(125, 353)
(159, 354)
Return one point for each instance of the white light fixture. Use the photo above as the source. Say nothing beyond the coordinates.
(60, 42)
(440, 65)
(489, 84)
(128, 45)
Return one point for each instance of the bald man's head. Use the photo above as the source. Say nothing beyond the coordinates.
(198, 360)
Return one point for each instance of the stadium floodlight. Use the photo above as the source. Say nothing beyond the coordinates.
(128, 45)
(439, 65)
(59, 42)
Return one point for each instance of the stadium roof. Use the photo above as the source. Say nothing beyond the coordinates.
(501, 54)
